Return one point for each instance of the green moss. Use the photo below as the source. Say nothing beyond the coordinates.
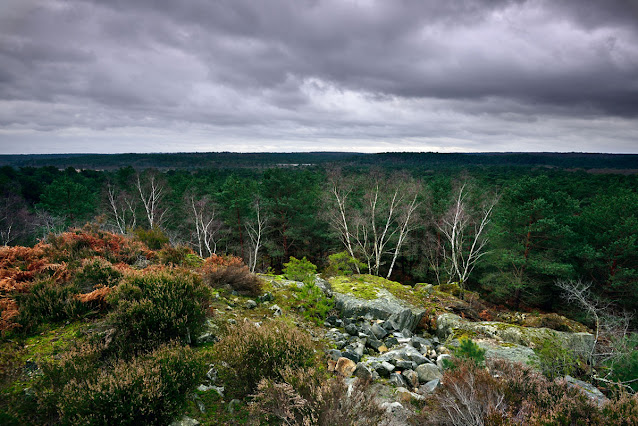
(53, 341)
(366, 286)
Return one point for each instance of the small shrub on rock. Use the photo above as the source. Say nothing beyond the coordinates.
(313, 303)
(300, 270)
(471, 351)
(554, 359)
(156, 307)
(248, 353)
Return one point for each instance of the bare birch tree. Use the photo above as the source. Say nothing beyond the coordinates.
(151, 193)
(380, 228)
(463, 228)
(122, 209)
(340, 189)
(207, 226)
(256, 230)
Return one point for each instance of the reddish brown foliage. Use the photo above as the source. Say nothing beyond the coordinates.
(485, 316)
(89, 241)
(214, 262)
(96, 297)
(8, 311)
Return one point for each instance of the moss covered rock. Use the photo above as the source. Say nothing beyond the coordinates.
(450, 325)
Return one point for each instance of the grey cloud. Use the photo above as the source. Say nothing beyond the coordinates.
(319, 69)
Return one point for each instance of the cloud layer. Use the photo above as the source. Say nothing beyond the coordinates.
(283, 75)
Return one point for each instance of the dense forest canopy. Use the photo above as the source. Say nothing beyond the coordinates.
(507, 225)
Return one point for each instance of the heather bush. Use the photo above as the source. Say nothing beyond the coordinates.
(248, 353)
(153, 238)
(48, 301)
(179, 256)
(78, 389)
(505, 393)
(234, 277)
(622, 411)
(156, 307)
(309, 397)
(300, 270)
(96, 272)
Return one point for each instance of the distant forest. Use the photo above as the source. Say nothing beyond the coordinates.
(506, 225)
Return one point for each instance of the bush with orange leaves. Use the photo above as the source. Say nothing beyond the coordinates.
(8, 313)
(90, 241)
(230, 272)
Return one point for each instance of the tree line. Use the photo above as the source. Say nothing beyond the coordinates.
(508, 233)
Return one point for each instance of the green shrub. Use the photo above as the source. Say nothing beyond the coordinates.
(179, 256)
(554, 359)
(154, 238)
(343, 264)
(234, 277)
(471, 351)
(147, 390)
(300, 270)
(157, 307)
(96, 271)
(313, 303)
(48, 301)
(249, 353)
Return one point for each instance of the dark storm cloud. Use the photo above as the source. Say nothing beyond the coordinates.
(462, 74)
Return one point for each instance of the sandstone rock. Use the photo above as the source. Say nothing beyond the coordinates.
(363, 372)
(430, 386)
(428, 372)
(448, 324)
(276, 310)
(345, 367)
(378, 331)
(411, 377)
(591, 391)
(397, 380)
(185, 421)
(251, 304)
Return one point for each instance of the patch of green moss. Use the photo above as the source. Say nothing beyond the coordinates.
(366, 286)
(53, 341)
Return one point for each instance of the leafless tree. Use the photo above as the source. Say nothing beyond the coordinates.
(15, 218)
(256, 229)
(340, 189)
(381, 226)
(47, 223)
(207, 226)
(463, 228)
(151, 193)
(122, 209)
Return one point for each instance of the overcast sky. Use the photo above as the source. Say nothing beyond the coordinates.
(318, 75)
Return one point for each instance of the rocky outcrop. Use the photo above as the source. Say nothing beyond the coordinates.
(450, 325)
(385, 306)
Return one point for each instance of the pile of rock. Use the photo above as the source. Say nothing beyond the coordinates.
(374, 348)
